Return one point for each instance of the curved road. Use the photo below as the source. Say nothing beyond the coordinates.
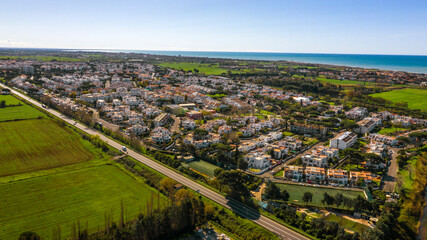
(246, 212)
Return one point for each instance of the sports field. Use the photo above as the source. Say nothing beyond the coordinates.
(416, 98)
(86, 195)
(17, 112)
(296, 192)
(203, 167)
(38, 144)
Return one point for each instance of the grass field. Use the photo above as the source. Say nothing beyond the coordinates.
(39, 204)
(208, 69)
(347, 224)
(297, 191)
(38, 144)
(343, 82)
(407, 175)
(203, 167)
(387, 131)
(416, 98)
(44, 58)
(17, 112)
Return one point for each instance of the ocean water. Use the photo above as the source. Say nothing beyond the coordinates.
(408, 63)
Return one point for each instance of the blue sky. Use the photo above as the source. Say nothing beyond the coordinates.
(306, 26)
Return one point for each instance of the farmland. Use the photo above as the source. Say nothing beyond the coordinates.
(42, 203)
(416, 98)
(38, 144)
(17, 112)
(203, 167)
(296, 193)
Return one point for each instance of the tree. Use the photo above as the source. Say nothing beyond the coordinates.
(3, 104)
(327, 199)
(339, 199)
(235, 180)
(307, 197)
(167, 185)
(29, 236)
(242, 164)
(285, 195)
(349, 124)
(272, 191)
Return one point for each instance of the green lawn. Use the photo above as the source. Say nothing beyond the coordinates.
(416, 98)
(39, 144)
(343, 82)
(208, 69)
(347, 224)
(42, 203)
(387, 131)
(407, 175)
(279, 173)
(203, 167)
(17, 112)
(296, 192)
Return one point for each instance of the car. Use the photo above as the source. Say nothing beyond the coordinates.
(124, 149)
(308, 181)
(294, 180)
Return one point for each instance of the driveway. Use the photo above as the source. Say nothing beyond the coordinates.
(390, 178)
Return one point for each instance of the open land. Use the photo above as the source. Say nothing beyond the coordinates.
(416, 98)
(24, 111)
(203, 167)
(296, 193)
(86, 195)
(347, 224)
(38, 144)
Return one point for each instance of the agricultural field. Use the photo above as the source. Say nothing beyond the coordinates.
(416, 98)
(296, 192)
(347, 224)
(38, 144)
(24, 111)
(87, 195)
(203, 167)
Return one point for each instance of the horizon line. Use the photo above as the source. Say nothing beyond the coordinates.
(210, 51)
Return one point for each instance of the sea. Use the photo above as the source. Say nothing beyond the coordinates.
(408, 63)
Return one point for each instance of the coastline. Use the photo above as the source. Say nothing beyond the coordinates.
(405, 63)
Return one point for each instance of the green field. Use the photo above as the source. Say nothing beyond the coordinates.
(203, 167)
(347, 224)
(387, 131)
(42, 203)
(416, 98)
(407, 175)
(38, 144)
(343, 82)
(17, 112)
(208, 69)
(43, 58)
(296, 192)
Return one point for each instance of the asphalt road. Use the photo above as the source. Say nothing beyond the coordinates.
(280, 230)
